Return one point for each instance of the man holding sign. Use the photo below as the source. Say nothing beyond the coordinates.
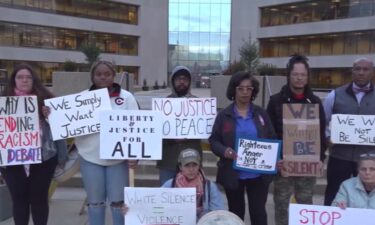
(303, 142)
(181, 82)
(355, 98)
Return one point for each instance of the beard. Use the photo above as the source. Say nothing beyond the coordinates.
(181, 90)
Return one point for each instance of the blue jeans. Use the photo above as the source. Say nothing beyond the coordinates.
(166, 174)
(102, 184)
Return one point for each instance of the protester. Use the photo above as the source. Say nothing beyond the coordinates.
(104, 179)
(190, 175)
(247, 119)
(296, 91)
(359, 192)
(356, 98)
(29, 184)
(181, 83)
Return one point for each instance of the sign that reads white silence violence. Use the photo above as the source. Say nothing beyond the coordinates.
(160, 206)
(130, 134)
(20, 141)
(353, 129)
(77, 115)
(300, 214)
(186, 117)
(257, 155)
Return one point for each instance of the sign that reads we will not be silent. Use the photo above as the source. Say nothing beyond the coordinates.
(353, 129)
(20, 141)
(77, 115)
(186, 117)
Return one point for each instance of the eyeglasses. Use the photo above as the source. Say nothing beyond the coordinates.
(367, 155)
(182, 78)
(244, 88)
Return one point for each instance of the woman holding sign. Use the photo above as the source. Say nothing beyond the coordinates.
(104, 179)
(359, 192)
(248, 120)
(29, 184)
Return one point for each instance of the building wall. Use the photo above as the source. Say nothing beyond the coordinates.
(245, 11)
(151, 30)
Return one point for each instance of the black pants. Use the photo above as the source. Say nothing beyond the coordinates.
(338, 170)
(30, 193)
(257, 191)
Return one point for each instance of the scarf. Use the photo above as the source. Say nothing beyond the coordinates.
(198, 183)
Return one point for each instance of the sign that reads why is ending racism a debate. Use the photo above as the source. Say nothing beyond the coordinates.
(130, 134)
(300, 214)
(20, 141)
(257, 155)
(159, 206)
(186, 117)
(77, 114)
(301, 140)
(353, 129)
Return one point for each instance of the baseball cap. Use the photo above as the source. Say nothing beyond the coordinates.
(189, 155)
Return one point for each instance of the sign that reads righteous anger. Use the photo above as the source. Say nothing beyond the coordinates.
(186, 117)
(257, 155)
(353, 129)
(160, 206)
(301, 140)
(130, 134)
(77, 114)
(300, 214)
(20, 141)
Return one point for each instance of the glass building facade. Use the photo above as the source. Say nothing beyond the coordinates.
(314, 11)
(95, 9)
(29, 35)
(199, 35)
(351, 42)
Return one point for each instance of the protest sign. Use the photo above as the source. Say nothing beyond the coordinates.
(130, 134)
(191, 118)
(300, 214)
(353, 129)
(257, 155)
(301, 140)
(20, 141)
(160, 206)
(77, 114)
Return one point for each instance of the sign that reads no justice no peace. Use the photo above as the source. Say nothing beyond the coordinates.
(186, 117)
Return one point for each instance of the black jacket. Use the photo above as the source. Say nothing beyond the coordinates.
(275, 109)
(224, 135)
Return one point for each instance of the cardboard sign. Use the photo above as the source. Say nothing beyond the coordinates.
(300, 214)
(301, 140)
(20, 141)
(130, 134)
(159, 206)
(77, 115)
(191, 118)
(353, 129)
(257, 155)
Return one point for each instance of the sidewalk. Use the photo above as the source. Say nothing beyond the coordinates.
(66, 204)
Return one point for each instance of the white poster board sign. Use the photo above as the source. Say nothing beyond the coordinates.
(160, 206)
(257, 155)
(353, 129)
(191, 118)
(20, 141)
(300, 214)
(130, 134)
(77, 115)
